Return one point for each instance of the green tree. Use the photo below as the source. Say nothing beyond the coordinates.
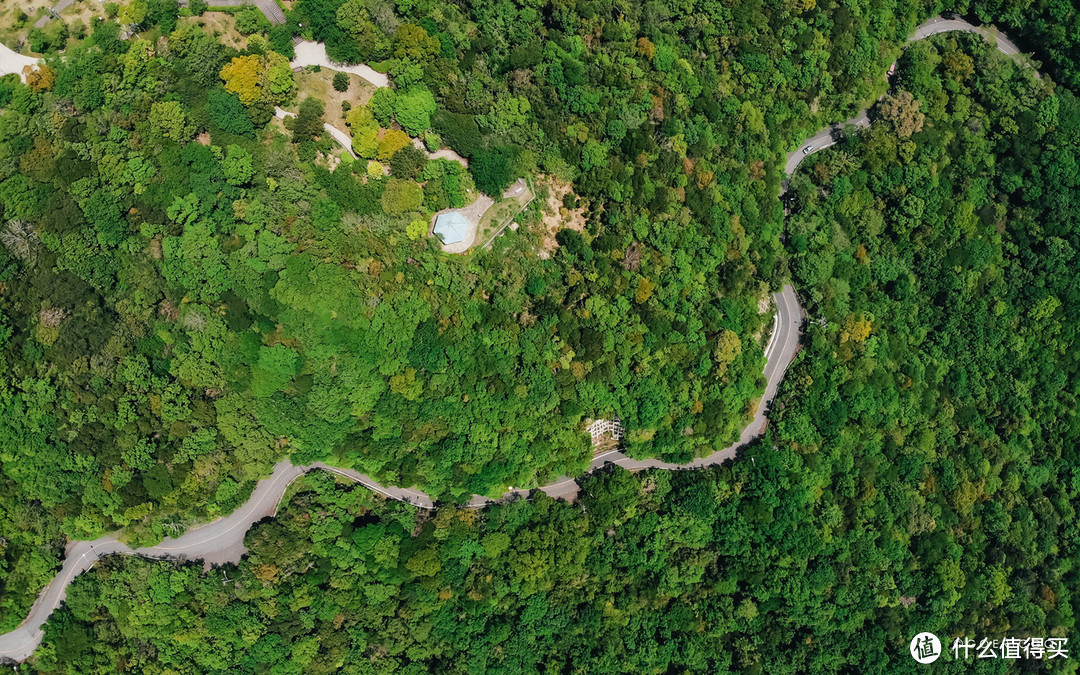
(238, 165)
(491, 169)
(413, 109)
(193, 261)
(308, 123)
(408, 162)
(248, 19)
(227, 112)
(401, 196)
(168, 119)
(382, 105)
(274, 371)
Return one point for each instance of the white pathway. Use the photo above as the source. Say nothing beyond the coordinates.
(14, 62)
(314, 54)
(340, 136)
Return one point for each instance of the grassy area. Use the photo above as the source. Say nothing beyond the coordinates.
(320, 85)
(17, 17)
(14, 32)
(499, 216)
(221, 25)
(81, 11)
(495, 217)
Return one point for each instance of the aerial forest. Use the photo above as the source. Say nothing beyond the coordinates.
(196, 283)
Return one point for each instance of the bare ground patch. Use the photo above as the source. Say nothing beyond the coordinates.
(556, 215)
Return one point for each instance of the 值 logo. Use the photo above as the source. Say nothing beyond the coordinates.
(925, 648)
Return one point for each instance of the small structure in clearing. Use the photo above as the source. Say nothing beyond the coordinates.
(606, 434)
(451, 227)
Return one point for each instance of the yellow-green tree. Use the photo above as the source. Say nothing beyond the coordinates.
(259, 78)
(392, 141)
(728, 348)
(167, 119)
(133, 12)
(365, 132)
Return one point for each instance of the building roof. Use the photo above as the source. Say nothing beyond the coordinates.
(451, 227)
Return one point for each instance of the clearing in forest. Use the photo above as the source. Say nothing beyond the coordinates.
(222, 25)
(497, 218)
(562, 209)
(14, 28)
(472, 213)
(320, 85)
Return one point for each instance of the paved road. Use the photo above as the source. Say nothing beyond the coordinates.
(56, 9)
(12, 61)
(942, 25)
(827, 136)
(216, 543)
(783, 344)
(314, 54)
(223, 540)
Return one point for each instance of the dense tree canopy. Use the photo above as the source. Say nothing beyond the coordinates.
(187, 295)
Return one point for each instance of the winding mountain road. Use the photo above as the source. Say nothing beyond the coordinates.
(831, 134)
(779, 352)
(222, 540)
